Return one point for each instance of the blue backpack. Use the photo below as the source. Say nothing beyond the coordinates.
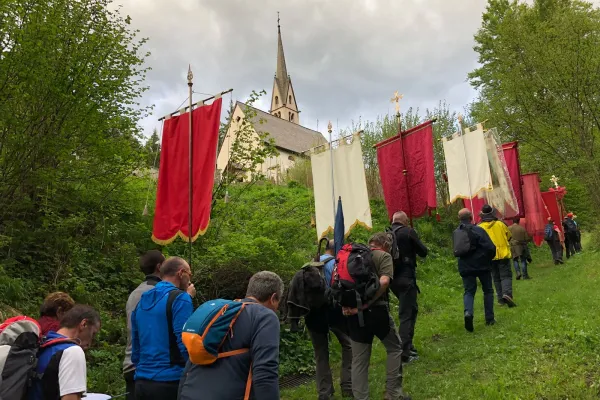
(548, 232)
(207, 329)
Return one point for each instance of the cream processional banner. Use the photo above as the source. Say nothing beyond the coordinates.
(467, 164)
(349, 182)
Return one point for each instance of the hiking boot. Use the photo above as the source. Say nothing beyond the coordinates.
(469, 322)
(509, 300)
(490, 323)
(409, 359)
(518, 276)
(403, 396)
(561, 262)
(413, 351)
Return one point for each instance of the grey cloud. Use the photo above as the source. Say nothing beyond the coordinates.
(345, 57)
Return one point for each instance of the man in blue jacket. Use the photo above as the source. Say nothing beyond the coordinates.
(158, 352)
(477, 264)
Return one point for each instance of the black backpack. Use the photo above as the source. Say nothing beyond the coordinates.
(394, 250)
(570, 225)
(464, 241)
(354, 281)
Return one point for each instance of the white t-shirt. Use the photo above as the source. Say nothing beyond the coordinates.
(72, 371)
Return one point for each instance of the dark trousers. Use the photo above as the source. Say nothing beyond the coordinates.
(406, 291)
(502, 276)
(153, 390)
(557, 251)
(129, 385)
(570, 240)
(470, 285)
(320, 343)
(578, 241)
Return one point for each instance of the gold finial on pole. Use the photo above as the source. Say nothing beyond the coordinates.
(190, 75)
(554, 180)
(329, 127)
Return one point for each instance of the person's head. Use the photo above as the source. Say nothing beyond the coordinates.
(82, 323)
(267, 288)
(400, 217)
(381, 240)
(151, 261)
(330, 247)
(516, 220)
(570, 215)
(465, 215)
(56, 305)
(550, 220)
(487, 212)
(177, 271)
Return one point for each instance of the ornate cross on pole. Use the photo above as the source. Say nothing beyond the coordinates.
(396, 99)
(554, 180)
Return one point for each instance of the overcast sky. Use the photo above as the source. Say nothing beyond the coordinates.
(345, 57)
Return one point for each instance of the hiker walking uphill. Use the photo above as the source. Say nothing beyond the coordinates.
(570, 230)
(150, 265)
(501, 269)
(309, 297)
(156, 324)
(475, 251)
(61, 368)
(404, 284)
(374, 319)
(519, 249)
(251, 370)
(552, 237)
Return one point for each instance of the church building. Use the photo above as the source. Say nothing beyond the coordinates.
(281, 122)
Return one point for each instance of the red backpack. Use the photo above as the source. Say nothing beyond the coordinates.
(354, 281)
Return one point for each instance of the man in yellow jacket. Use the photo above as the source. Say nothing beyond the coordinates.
(501, 269)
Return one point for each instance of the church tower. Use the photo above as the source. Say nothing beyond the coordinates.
(283, 99)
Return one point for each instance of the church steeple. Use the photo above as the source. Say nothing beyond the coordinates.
(283, 100)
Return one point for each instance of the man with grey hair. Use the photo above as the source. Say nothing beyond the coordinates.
(256, 329)
(377, 322)
(404, 284)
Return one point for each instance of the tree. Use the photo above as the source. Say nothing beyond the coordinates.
(70, 76)
(152, 150)
(539, 83)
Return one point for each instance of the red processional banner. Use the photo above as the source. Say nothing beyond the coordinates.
(536, 216)
(552, 208)
(171, 217)
(406, 169)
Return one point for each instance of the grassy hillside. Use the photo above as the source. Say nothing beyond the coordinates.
(546, 348)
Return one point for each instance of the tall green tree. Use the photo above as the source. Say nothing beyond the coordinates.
(71, 74)
(152, 150)
(539, 83)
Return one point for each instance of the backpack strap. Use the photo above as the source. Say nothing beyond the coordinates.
(175, 355)
(248, 384)
(327, 259)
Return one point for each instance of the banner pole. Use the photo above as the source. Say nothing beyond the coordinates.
(405, 171)
(329, 129)
(190, 78)
(460, 125)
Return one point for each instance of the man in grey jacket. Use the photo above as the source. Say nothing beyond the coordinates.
(256, 329)
(150, 265)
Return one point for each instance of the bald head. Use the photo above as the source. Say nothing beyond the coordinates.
(400, 217)
(465, 214)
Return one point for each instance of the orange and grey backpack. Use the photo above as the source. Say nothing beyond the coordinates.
(207, 329)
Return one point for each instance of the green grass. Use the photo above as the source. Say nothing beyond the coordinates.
(546, 348)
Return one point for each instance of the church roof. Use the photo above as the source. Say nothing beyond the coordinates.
(287, 135)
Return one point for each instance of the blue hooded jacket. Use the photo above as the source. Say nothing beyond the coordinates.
(150, 333)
